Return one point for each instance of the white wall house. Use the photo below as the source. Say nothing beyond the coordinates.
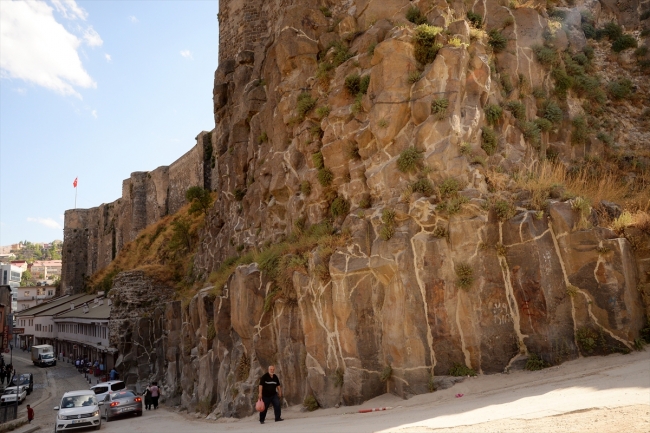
(29, 297)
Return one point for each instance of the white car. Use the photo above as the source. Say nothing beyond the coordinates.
(102, 389)
(79, 409)
(9, 395)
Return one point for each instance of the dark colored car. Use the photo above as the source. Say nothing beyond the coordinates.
(26, 380)
(124, 402)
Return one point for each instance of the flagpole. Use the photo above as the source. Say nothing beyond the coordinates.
(75, 191)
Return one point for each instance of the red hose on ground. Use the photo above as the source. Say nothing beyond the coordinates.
(374, 409)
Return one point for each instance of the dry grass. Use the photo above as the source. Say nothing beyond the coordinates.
(606, 186)
(158, 253)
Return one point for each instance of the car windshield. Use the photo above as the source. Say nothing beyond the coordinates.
(78, 401)
(47, 356)
(122, 394)
(21, 379)
(100, 389)
(10, 391)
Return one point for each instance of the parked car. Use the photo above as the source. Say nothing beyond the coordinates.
(79, 409)
(9, 395)
(124, 402)
(102, 389)
(26, 380)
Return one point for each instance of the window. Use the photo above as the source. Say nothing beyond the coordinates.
(26, 292)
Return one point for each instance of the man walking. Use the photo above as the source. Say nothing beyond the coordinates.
(270, 391)
(30, 414)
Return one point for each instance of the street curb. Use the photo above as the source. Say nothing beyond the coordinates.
(31, 429)
(13, 425)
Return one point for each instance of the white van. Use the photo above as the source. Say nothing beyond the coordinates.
(102, 389)
(79, 409)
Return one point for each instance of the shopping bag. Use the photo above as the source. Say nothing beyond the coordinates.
(259, 406)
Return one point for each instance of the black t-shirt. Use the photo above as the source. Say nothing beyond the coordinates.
(269, 385)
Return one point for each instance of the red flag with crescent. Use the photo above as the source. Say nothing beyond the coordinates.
(74, 184)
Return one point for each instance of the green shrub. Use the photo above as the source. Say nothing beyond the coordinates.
(341, 53)
(323, 111)
(414, 15)
(504, 210)
(459, 370)
(386, 232)
(589, 30)
(534, 363)
(439, 106)
(352, 84)
(552, 112)
(317, 159)
(449, 187)
(339, 207)
(557, 14)
(612, 30)
(543, 124)
(305, 104)
(310, 403)
(489, 140)
(423, 186)
(325, 10)
(305, 188)
(620, 89)
(316, 131)
(357, 106)
(425, 46)
(453, 205)
(388, 216)
(364, 84)
(409, 160)
(386, 373)
(497, 41)
(517, 109)
(506, 83)
(414, 76)
(546, 56)
(465, 275)
(579, 132)
(325, 177)
(623, 43)
(366, 202)
(263, 138)
(539, 92)
(476, 20)
(493, 113)
(588, 340)
(530, 131)
(563, 81)
(641, 51)
(352, 151)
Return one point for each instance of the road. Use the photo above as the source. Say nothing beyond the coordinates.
(605, 394)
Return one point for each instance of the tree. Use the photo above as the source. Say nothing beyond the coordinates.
(200, 199)
(26, 279)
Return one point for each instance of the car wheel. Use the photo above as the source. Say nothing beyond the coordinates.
(139, 413)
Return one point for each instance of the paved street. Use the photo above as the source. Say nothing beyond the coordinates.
(604, 394)
(49, 385)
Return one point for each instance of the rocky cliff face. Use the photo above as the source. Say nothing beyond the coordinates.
(426, 167)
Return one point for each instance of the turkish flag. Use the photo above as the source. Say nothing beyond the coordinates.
(75, 182)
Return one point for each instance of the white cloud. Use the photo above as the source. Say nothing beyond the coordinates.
(70, 10)
(187, 54)
(47, 222)
(108, 58)
(20, 90)
(94, 113)
(91, 37)
(132, 19)
(36, 48)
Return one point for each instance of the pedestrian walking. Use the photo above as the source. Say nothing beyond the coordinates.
(3, 374)
(155, 394)
(270, 391)
(147, 398)
(113, 374)
(30, 414)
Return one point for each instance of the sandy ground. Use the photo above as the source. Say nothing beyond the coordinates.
(594, 395)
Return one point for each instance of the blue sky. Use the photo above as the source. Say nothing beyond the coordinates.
(96, 90)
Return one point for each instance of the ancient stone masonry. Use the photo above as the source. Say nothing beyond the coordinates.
(331, 111)
(93, 237)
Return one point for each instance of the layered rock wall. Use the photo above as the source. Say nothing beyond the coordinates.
(483, 276)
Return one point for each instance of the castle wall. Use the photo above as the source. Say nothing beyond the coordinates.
(93, 237)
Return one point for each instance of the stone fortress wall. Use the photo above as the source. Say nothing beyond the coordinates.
(93, 237)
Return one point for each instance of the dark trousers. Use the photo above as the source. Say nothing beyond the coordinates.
(275, 400)
(154, 400)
